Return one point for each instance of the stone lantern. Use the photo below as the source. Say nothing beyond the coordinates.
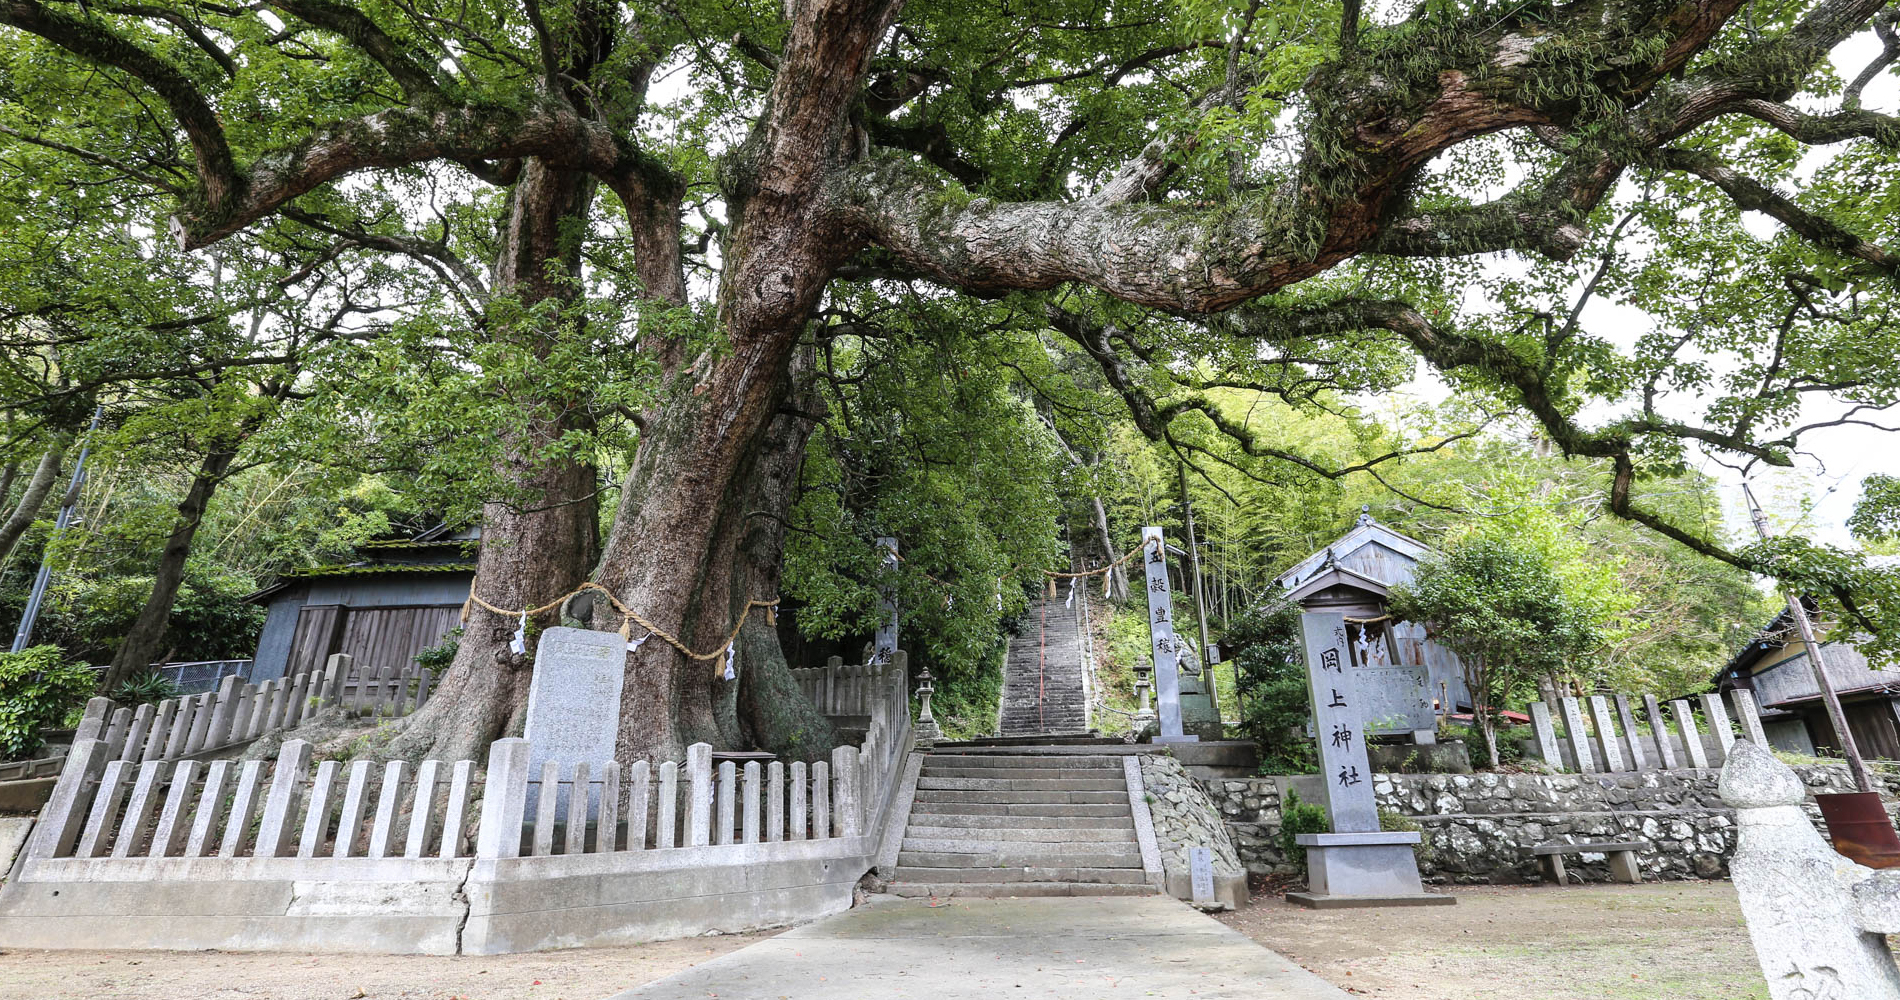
(926, 730)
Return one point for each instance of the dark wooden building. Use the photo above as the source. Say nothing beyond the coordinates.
(402, 596)
(1775, 668)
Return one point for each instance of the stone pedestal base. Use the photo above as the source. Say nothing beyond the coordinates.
(1363, 869)
(1189, 738)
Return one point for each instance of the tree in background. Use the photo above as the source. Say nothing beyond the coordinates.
(1270, 672)
(1517, 602)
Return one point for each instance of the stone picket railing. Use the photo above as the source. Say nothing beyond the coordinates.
(392, 856)
(843, 689)
(1611, 740)
(1819, 922)
(238, 712)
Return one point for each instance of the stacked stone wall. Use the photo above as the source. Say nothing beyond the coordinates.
(1480, 827)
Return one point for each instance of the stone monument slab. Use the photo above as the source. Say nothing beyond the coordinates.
(574, 703)
(1396, 699)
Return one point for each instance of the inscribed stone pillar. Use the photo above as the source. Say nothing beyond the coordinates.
(1749, 715)
(1336, 724)
(1606, 733)
(1659, 731)
(1162, 643)
(886, 642)
(1546, 736)
(1691, 738)
(1579, 737)
(1717, 715)
(1627, 718)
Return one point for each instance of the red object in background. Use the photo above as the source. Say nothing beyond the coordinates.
(1860, 828)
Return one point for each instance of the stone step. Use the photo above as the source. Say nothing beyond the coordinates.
(1021, 810)
(1106, 821)
(1054, 743)
(1004, 856)
(1023, 784)
(1023, 835)
(1006, 889)
(1040, 796)
(1116, 876)
(1005, 760)
(976, 847)
(1023, 773)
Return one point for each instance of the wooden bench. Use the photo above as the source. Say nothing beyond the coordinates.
(1623, 867)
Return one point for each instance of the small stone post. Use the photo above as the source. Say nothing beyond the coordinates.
(699, 783)
(504, 800)
(1659, 731)
(65, 811)
(1717, 716)
(844, 770)
(1579, 738)
(1546, 736)
(1749, 716)
(1691, 737)
(1606, 733)
(1627, 718)
(280, 804)
(93, 725)
(226, 710)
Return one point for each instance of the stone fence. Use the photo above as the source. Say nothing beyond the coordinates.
(389, 857)
(1611, 739)
(238, 712)
(1480, 827)
(843, 689)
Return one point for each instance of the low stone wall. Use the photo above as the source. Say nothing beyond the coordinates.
(1480, 827)
(1185, 817)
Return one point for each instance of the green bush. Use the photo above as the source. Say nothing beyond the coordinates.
(1392, 821)
(37, 688)
(1297, 817)
(1270, 678)
(1509, 749)
(145, 687)
(437, 658)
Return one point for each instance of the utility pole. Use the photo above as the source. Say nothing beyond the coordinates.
(38, 595)
(1194, 564)
(1834, 713)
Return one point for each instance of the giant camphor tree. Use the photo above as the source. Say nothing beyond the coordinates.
(1305, 183)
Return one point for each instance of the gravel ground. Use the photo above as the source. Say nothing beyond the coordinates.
(1656, 941)
(579, 974)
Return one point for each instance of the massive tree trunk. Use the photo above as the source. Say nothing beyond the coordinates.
(141, 643)
(674, 551)
(536, 550)
(37, 488)
(773, 714)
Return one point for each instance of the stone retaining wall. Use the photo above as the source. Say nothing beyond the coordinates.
(1185, 817)
(1479, 827)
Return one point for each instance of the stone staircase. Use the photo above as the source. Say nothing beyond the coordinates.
(1009, 818)
(1043, 689)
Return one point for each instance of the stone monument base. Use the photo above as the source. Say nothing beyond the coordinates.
(1363, 869)
(1189, 738)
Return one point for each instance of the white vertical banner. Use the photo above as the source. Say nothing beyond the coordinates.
(886, 644)
(1161, 637)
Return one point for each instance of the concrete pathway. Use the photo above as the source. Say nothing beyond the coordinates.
(1000, 949)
